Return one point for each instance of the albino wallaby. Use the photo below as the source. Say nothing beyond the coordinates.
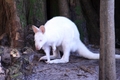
(61, 34)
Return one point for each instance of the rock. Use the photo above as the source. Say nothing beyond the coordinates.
(15, 53)
(4, 40)
(5, 58)
(2, 72)
(27, 50)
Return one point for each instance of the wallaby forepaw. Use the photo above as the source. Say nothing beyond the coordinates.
(47, 62)
(43, 58)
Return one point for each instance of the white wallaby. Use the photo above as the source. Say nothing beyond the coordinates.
(61, 34)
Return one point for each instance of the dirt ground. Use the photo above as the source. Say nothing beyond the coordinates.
(77, 68)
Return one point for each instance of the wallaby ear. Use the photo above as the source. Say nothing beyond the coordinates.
(35, 29)
(42, 29)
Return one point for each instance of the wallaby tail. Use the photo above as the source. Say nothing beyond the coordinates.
(85, 52)
(117, 56)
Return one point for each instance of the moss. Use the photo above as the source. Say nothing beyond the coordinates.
(79, 24)
(78, 10)
(79, 20)
(39, 11)
(30, 8)
(36, 11)
(21, 12)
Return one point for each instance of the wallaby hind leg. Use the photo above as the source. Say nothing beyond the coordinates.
(64, 59)
(56, 55)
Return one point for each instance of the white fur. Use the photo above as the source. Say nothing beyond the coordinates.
(62, 35)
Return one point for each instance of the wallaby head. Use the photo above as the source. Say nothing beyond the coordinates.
(39, 36)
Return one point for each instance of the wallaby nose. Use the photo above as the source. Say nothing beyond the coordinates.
(37, 48)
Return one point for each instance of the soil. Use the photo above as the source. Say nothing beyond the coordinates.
(77, 68)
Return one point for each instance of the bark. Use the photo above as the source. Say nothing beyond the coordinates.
(16, 15)
(64, 8)
(107, 41)
(2, 19)
(12, 24)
